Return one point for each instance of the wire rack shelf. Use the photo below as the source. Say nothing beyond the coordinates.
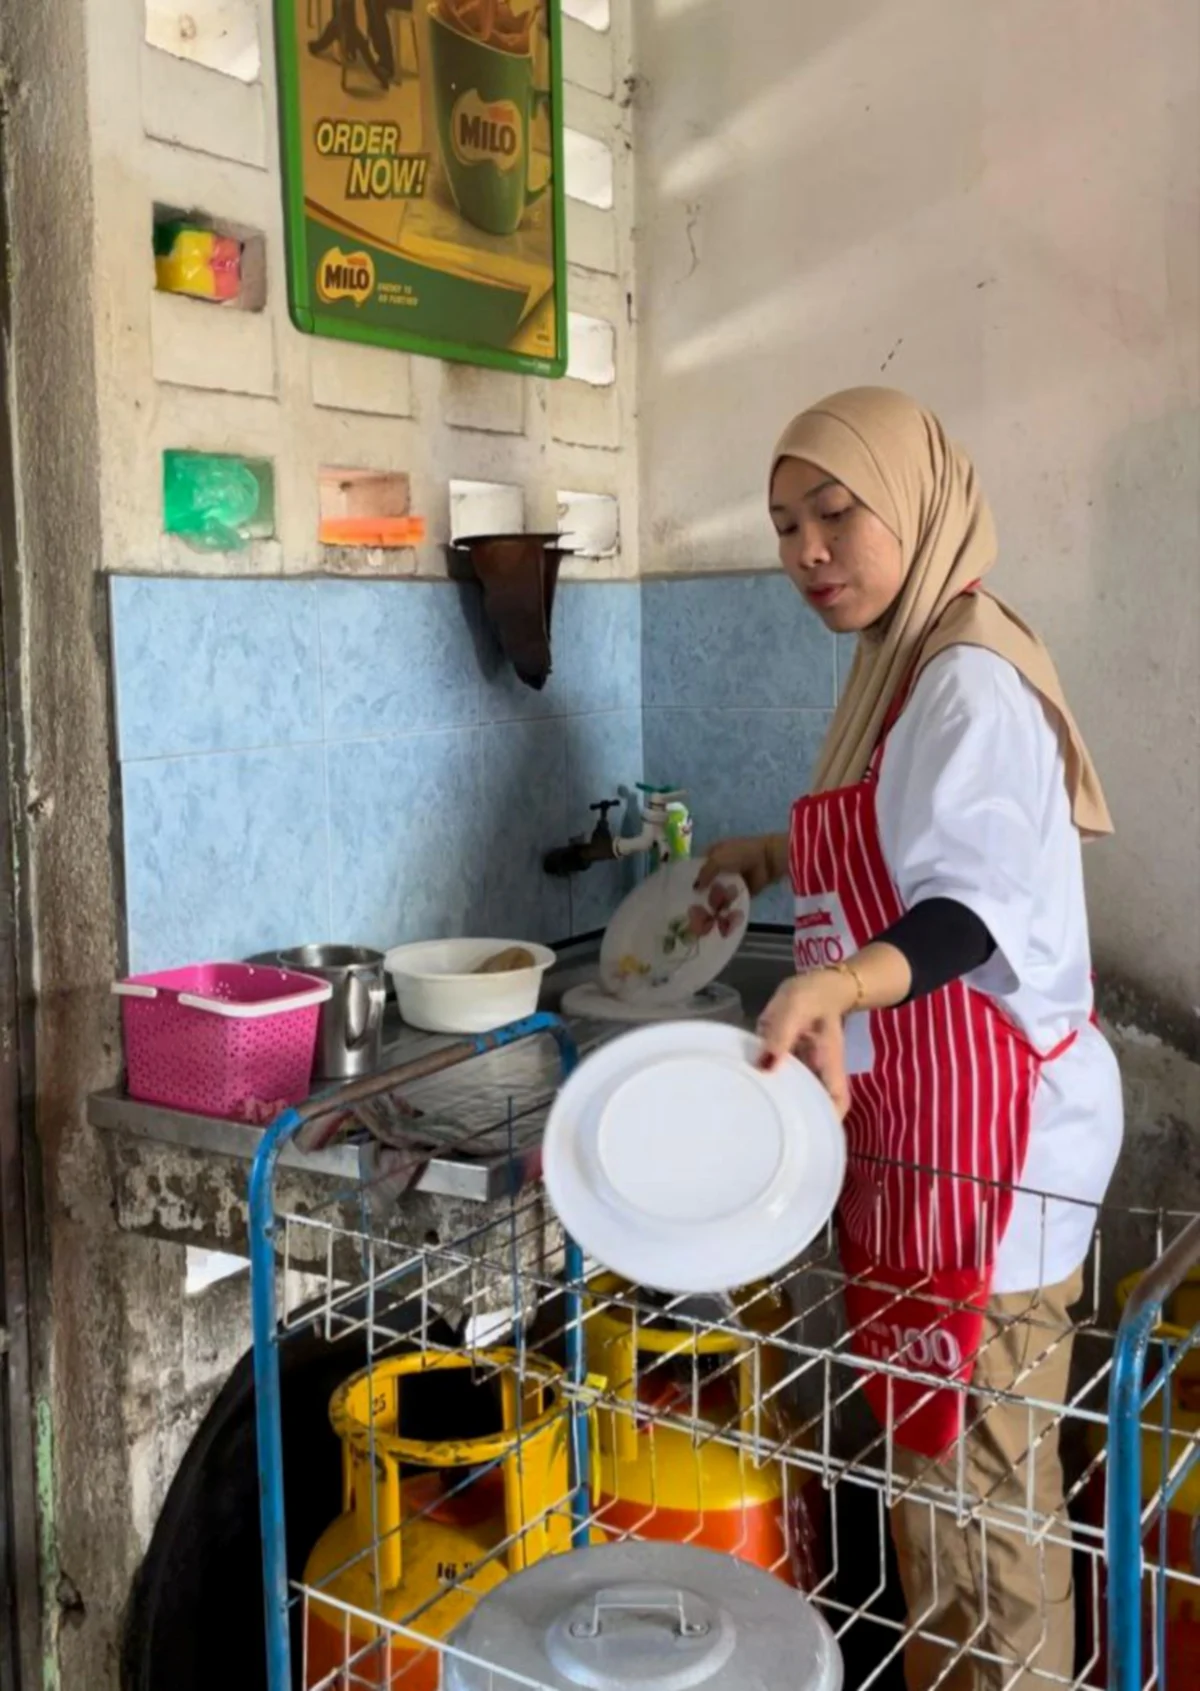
(518, 1401)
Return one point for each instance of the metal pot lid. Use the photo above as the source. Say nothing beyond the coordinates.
(645, 1617)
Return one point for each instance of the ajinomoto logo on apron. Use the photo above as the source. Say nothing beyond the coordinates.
(822, 939)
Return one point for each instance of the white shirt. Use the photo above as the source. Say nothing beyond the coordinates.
(973, 805)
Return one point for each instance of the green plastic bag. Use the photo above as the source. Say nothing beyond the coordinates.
(209, 501)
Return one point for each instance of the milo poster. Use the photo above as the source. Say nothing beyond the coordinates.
(423, 176)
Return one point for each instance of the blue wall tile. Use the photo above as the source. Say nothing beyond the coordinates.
(225, 855)
(596, 649)
(207, 666)
(442, 782)
(397, 657)
(523, 812)
(406, 838)
(599, 636)
(440, 785)
(743, 769)
(604, 752)
(739, 641)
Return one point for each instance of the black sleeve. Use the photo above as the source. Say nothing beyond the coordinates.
(941, 940)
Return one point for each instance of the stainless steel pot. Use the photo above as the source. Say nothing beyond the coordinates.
(350, 1039)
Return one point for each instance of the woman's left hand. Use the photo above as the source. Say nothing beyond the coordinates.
(806, 1017)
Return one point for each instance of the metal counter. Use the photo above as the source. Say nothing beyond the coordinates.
(485, 1118)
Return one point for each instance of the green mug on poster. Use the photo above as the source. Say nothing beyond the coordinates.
(483, 99)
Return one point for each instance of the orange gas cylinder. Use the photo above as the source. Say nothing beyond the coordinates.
(660, 1468)
(427, 1527)
(1178, 1548)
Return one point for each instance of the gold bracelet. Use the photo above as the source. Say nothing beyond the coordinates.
(860, 991)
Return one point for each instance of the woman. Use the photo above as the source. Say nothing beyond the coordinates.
(946, 1003)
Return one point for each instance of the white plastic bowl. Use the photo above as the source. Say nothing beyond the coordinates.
(440, 993)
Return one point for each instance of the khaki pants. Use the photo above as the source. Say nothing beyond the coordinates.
(983, 1585)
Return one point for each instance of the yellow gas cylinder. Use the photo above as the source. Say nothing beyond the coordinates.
(657, 1471)
(427, 1527)
(1181, 1315)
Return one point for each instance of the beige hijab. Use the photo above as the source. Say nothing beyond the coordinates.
(896, 459)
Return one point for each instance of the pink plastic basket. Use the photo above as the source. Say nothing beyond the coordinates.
(221, 1039)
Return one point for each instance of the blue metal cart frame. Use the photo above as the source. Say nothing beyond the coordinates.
(1128, 1398)
(264, 1312)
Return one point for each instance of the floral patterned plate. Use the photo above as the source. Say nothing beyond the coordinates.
(667, 941)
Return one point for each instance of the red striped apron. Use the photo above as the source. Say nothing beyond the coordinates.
(941, 1101)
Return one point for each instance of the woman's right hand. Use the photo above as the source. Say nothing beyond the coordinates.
(760, 860)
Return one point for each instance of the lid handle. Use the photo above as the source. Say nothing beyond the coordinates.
(639, 1600)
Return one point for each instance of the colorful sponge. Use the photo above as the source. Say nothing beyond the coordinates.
(198, 262)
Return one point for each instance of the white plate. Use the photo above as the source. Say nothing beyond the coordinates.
(676, 1163)
(667, 941)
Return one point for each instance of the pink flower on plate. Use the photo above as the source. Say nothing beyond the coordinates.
(719, 913)
(700, 921)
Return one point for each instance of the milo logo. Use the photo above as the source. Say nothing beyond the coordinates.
(486, 131)
(345, 275)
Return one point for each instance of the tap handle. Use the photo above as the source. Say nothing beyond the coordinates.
(602, 831)
(658, 798)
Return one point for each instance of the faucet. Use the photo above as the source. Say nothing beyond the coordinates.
(666, 831)
(580, 854)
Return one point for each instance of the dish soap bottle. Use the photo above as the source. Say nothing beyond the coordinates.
(677, 833)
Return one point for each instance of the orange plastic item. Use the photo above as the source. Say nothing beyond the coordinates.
(387, 532)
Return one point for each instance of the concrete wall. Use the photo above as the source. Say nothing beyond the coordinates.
(996, 208)
(62, 792)
(175, 373)
(105, 375)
